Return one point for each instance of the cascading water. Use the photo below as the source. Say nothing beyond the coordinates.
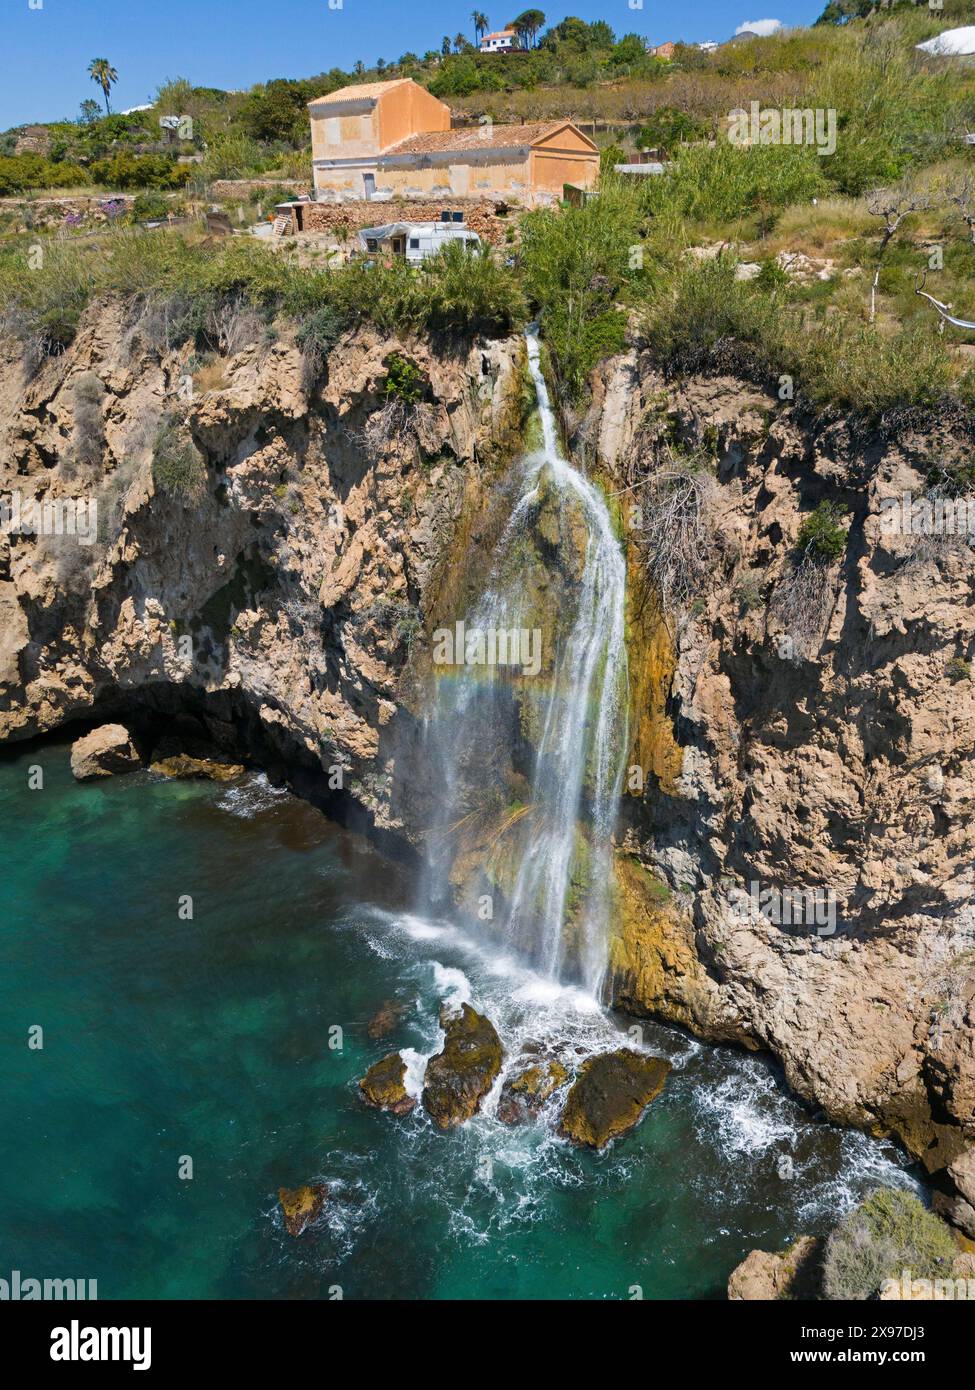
(532, 760)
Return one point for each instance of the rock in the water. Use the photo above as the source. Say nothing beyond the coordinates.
(458, 1078)
(386, 1018)
(526, 1091)
(104, 752)
(182, 765)
(382, 1086)
(795, 1273)
(301, 1205)
(610, 1094)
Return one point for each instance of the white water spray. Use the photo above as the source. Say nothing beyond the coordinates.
(558, 894)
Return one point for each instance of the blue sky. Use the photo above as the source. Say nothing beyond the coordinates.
(45, 45)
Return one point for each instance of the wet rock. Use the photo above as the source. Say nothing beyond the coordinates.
(460, 1076)
(794, 1273)
(962, 1173)
(610, 1094)
(301, 1205)
(957, 1210)
(182, 765)
(526, 1091)
(104, 752)
(382, 1086)
(386, 1019)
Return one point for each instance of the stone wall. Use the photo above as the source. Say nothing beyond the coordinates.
(479, 216)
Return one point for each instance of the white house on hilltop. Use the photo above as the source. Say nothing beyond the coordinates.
(504, 41)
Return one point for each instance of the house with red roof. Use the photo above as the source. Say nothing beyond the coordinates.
(383, 140)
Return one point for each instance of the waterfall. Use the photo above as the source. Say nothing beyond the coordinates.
(531, 763)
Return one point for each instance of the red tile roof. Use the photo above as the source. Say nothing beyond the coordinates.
(483, 137)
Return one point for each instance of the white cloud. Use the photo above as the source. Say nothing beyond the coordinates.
(761, 27)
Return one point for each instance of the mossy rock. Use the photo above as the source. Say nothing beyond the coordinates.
(386, 1019)
(525, 1092)
(609, 1095)
(182, 765)
(382, 1086)
(460, 1076)
(301, 1205)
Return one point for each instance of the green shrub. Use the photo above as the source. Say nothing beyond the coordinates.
(821, 537)
(316, 337)
(887, 1233)
(404, 380)
(704, 314)
(469, 290)
(178, 467)
(124, 171)
(151, 207)
(723, 182)
(958, 669)
(23, 173)
(577, 264)
(669, 127)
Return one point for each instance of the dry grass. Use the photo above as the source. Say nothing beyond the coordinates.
(819, 229)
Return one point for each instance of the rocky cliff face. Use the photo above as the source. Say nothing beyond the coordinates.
(270, 573)
(823, 744)
(271, 579)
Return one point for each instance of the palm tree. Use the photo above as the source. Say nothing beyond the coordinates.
(527, 25)
(480, 22)
(101, 71)
(461, 41)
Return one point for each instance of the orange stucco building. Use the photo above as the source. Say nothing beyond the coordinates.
(384, 140)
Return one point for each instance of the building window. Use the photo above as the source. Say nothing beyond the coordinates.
(414, 243)
(372, 244)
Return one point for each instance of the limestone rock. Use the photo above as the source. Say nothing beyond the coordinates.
(382, 1086)
(203, 769)
(104, 752)
(459, 1077)
(301, 1205)
(526, 1090)
(609, 1096)
(794, 1273)
(386, 1019)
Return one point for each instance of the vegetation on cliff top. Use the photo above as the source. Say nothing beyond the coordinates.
(888, 1233)
(657, 264)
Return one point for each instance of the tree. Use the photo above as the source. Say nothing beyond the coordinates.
(893, 205)
(527, 25)
(961, 192)
(101, 71)
(445, 47)
(667, 128)
(480, 22)
(461, 41)
(90, 111)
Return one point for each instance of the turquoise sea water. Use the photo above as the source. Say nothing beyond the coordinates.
(210, 1038)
